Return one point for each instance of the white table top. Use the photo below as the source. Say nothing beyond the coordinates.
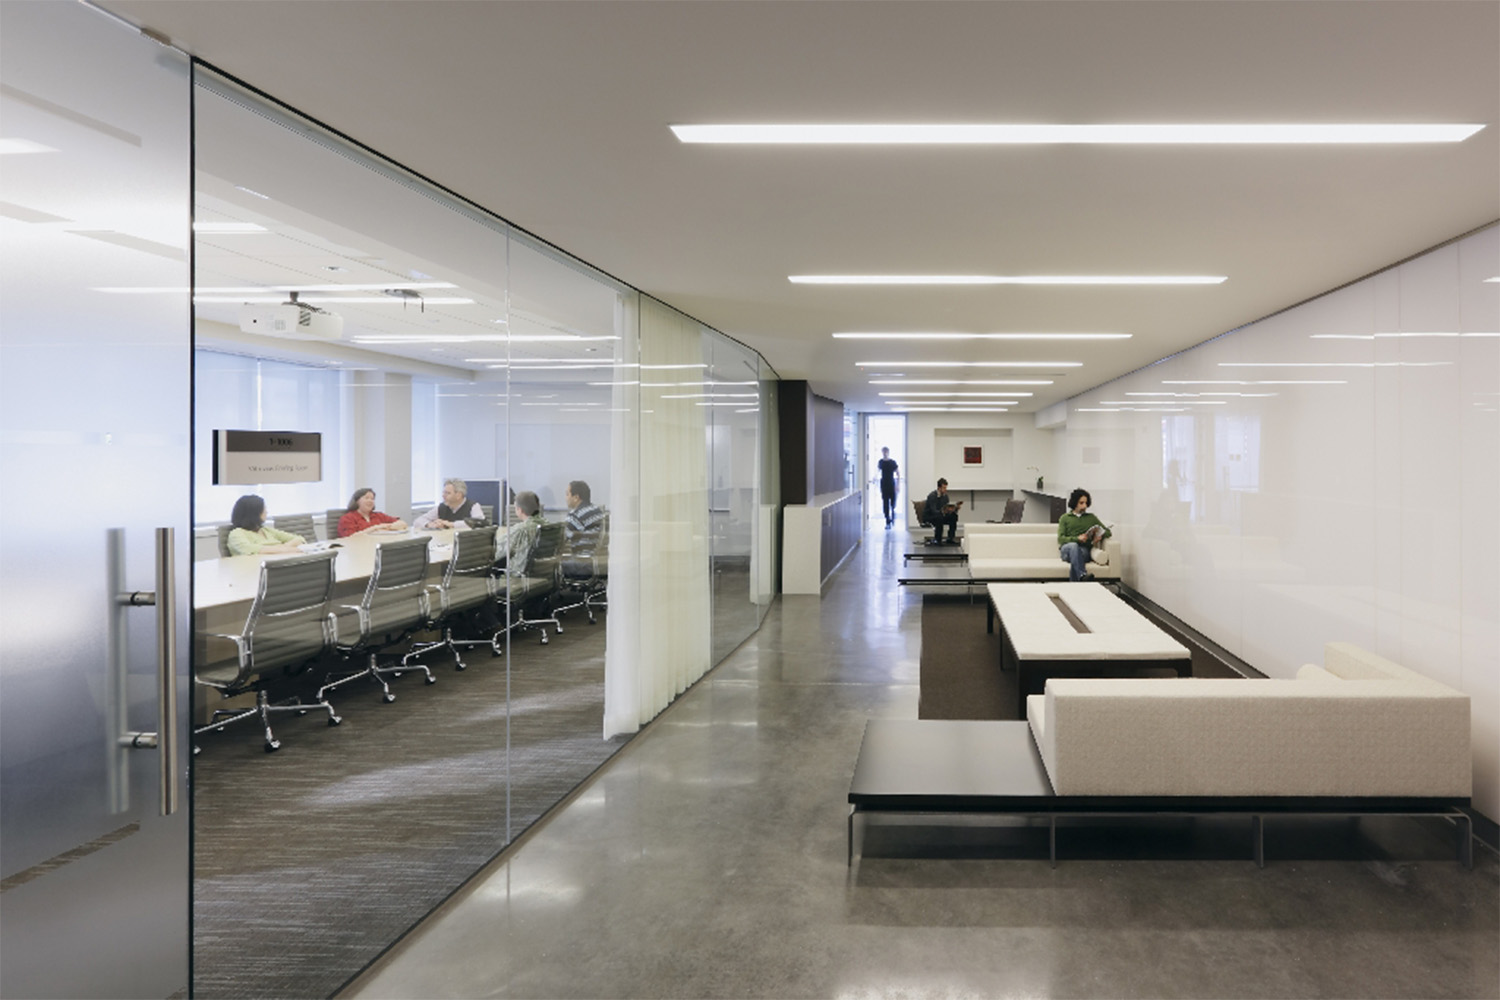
(1039, 630)
(218, 582)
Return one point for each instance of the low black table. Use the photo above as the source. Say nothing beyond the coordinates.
(950, 766)
(936, 553)
(947, 574)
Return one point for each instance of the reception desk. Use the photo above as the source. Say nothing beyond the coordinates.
(816, 537)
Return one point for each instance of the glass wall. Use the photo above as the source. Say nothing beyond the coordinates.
(580, 468)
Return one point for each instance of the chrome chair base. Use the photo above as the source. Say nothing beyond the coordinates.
(375, 671)
(264, 708)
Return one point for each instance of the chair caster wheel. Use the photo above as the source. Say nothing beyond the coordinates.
(544, 638)
(431, 680)
(272, 746)
(301, 711)
(460, 666)
(387, 697)
(557, 629)
(396, 673)
(334, 720)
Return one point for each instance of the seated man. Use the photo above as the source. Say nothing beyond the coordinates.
(584, 516)
(521, 538)
(1078, 532)
(940, 511)
(456, 507)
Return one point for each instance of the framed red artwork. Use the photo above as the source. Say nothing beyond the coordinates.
(973, 456)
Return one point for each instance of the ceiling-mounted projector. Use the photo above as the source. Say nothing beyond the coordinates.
(292, 319)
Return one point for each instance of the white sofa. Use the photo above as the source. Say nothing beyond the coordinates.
(1030, 555)
(1359, 726)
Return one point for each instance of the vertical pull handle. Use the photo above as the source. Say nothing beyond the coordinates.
(166, 667)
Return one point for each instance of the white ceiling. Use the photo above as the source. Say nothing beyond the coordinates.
(555, 115)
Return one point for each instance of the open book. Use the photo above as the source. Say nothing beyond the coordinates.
(952, 507)
(1094, 535)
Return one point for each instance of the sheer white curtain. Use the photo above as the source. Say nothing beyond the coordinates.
(660, 616)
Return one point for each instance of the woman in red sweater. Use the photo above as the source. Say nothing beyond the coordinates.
(363, 516)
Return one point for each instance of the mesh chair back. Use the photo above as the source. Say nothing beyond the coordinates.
(467, 582)
(396, 598)
(331, 521)
(1013, 511)
(921, 507)
(298, 524)
(289, 621)
(224, 530)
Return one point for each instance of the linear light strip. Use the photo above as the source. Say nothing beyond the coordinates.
(1006, 279)
(960, 381)
(949, 395)
(969, 364)
(981, 336)
(997, 133)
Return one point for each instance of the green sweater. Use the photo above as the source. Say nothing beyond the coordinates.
(249, 543)
(1071, 525)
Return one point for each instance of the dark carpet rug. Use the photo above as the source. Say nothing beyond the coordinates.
(960, 669)
(308, 862)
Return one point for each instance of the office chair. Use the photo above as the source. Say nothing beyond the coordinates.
(298, 524)
(1013, 511)
(394, 606)
(224, 530)
(533, 585)
(289, 626)
(921, 508)
(467, 587)
(331, 521)
(585, 571)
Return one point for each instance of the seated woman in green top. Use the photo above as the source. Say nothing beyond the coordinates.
(251, 535)
(1077, 533)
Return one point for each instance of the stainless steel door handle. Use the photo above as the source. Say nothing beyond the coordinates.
(166, 667)
(164, 599)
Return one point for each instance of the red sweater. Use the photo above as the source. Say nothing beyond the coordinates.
(354, 522)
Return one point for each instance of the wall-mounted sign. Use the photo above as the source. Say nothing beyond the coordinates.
(247, 458)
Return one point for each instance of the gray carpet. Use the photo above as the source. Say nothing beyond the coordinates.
(308, 862)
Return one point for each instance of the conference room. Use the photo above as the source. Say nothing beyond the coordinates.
(357, 329)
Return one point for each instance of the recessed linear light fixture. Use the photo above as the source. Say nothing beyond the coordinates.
(1174, 402)
(1383, 336)
(1006, 279)
(416, 286)
(9, 147)
(946, 409)
(968, 364)
(1333, 364)
(1001, 133)
(1281, 381)
(334, 300)
(227, 228)
(981, 336)
(950, 395)
(1496, 278)
(957, 406)
(961, 381)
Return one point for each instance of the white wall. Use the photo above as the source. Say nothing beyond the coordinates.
(1302, 514)
(932, 444)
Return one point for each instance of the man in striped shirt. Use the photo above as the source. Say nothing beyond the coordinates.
(583, 515)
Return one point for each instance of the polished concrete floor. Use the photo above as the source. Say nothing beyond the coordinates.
(707, 859)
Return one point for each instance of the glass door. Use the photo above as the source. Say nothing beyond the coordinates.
(95, 372)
